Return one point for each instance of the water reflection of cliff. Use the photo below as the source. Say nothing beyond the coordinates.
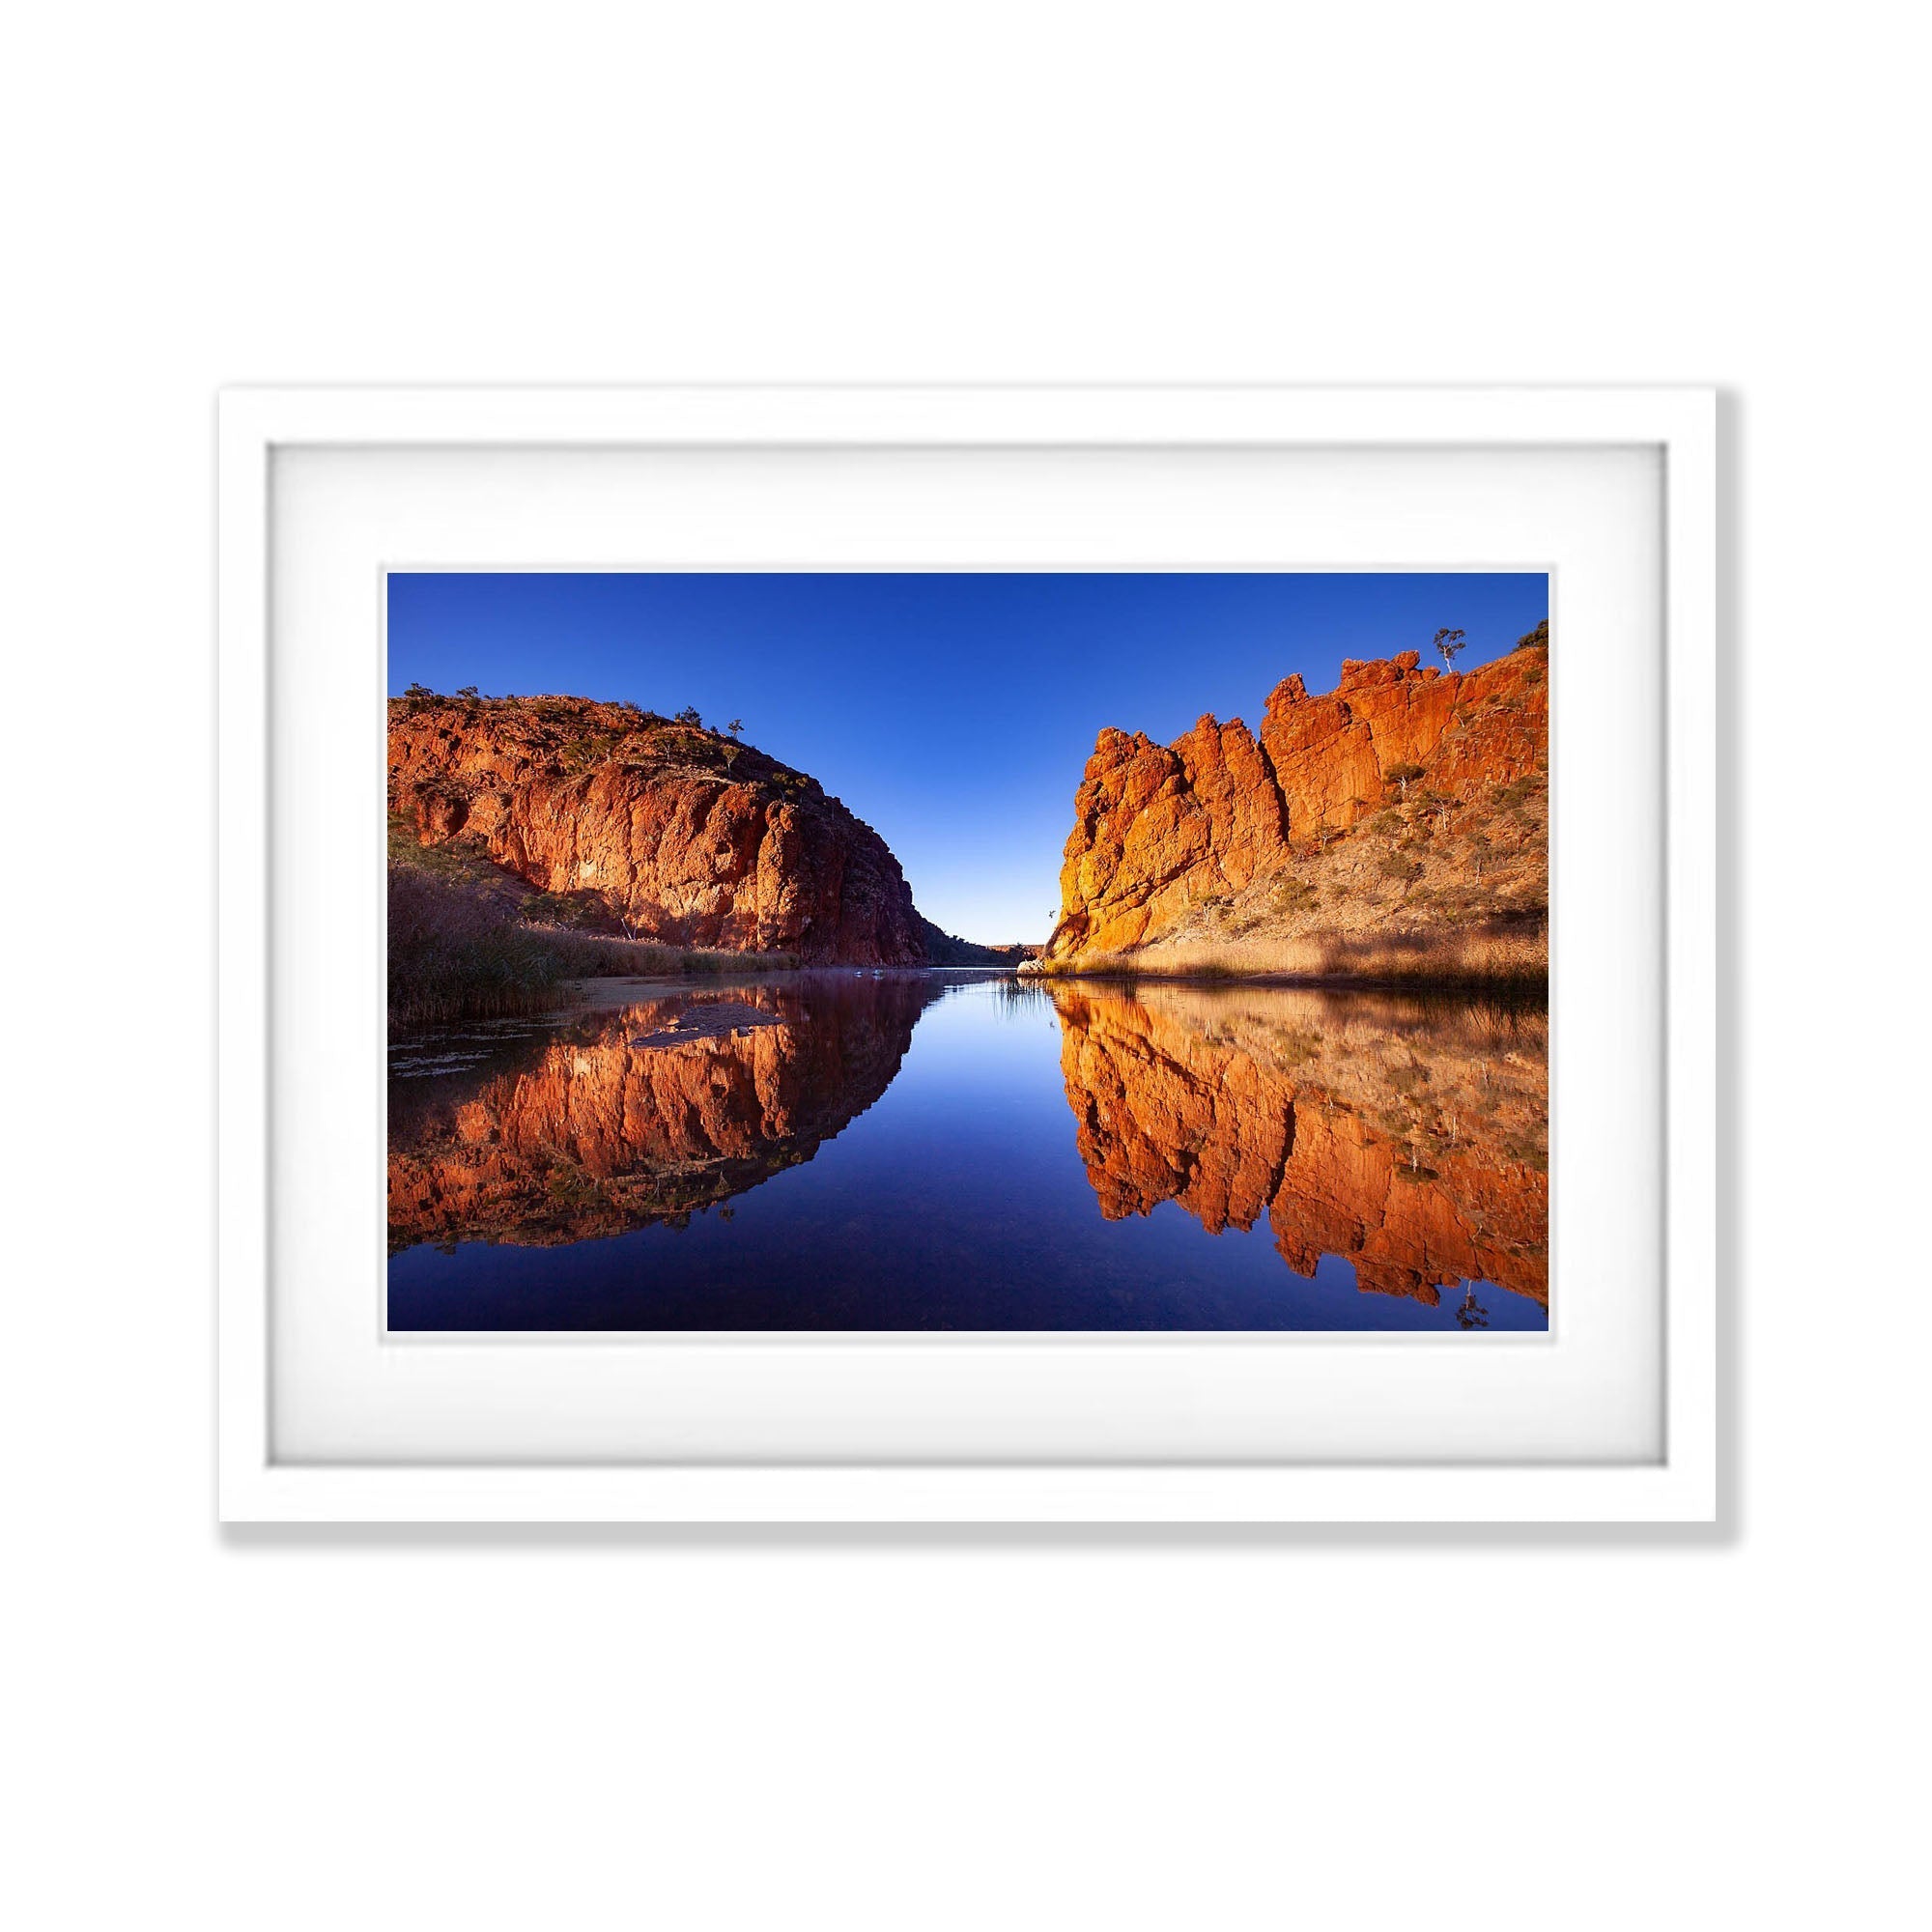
(1411, 1139)
(641, 1113)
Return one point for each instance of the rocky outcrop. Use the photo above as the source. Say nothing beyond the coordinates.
(1412, 1143)
(639, 1115)
(684, 834)
(1223, 815)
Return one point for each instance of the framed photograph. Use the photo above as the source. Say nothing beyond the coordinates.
(968, 954)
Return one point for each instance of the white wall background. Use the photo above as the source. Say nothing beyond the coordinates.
(587, 1731)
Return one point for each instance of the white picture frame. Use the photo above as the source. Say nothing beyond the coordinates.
(1678, 1484)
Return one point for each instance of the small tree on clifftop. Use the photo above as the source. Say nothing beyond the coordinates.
(1449, 642)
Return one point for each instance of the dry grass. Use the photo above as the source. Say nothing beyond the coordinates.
(593, 956)
(459, 953)
(1516, 956)
(458, 949)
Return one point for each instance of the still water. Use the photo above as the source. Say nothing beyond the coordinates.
(915, 1150)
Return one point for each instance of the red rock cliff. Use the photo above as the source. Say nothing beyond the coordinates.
(1159, 830)
(687, 835)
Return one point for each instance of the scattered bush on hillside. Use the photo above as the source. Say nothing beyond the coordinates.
(578, 912)
(1406, 1077)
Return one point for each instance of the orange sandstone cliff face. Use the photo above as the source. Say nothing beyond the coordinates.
(686, 836)
(1427, 770)
(1415, 1151)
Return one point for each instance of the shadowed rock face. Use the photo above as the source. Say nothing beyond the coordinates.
(1410, 1141)
(1161, 830)
(688, 837)
(638, 1115)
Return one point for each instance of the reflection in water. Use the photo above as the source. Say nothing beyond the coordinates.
(621, 1117)
(1411, 1139)
(917, 1150)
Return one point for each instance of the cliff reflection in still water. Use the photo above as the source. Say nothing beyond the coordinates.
(840, 1152)
(1409, 1137)
(630, 1116)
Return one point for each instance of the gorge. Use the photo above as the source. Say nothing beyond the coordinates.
(1393, 827)
(673, 1049)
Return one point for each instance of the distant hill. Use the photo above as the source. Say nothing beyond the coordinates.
(942, 949)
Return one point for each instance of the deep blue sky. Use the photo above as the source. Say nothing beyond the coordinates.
(952, 712)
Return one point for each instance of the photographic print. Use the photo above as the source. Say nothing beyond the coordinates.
(974, 952)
